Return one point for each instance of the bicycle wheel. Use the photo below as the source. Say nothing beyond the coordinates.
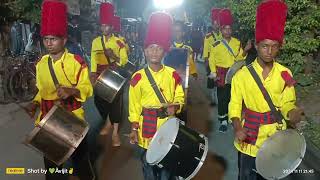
(22, 85)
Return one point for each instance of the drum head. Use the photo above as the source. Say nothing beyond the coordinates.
(280, 154)
(161, 142)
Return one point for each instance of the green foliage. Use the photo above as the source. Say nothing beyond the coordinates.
(26, 10)
(302, 35)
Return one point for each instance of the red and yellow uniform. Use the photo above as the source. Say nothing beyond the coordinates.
(245, 90)
(221, 57)
(71, 71)
(98, 57)
(142, 96)
(192, 66)
(209, 40)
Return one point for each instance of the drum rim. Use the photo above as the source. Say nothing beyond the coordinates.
(40, 125)
(170, 145)
(300, 160)
(202, 160)
(117, 89)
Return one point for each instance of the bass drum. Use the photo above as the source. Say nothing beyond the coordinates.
(178, 149)
(108, 84)
(280, 154)
(57, 135)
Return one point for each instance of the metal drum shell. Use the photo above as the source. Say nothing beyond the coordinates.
(280, 154)
(187, 159)
(108, 84)
(57, 135)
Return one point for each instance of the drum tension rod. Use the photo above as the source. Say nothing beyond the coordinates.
(175, 145)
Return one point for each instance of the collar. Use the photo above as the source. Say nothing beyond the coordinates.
(259, 69)
(154, 72)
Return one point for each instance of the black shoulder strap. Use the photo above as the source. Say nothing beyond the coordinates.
(265, 93)
(104, 49)
(154, 86)
(53, 75)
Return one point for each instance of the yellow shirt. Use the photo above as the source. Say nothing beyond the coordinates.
(192, 66)
(141, 94)
(209, 39)
(244, 89)
(220, 55)
(98, 56)
(72, 67)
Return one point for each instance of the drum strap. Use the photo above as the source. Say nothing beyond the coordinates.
(154, 85)
(53, 75)
(104, 50)
(278, 116)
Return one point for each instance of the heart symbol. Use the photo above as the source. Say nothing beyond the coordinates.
(71, 171)
(52, 170)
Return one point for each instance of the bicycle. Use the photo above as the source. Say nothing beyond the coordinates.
(22, 79)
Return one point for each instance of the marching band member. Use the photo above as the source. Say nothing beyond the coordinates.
(71, 73)
(108, 51)
(223, 54)
(178, 42)
(246, 97)
(209, 40)
(146, 112)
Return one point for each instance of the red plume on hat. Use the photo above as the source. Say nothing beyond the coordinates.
(225, 17)
(159, 30)
(54, 18)
(214, 14)
(270, 20)
(106, 13)
(116, 23)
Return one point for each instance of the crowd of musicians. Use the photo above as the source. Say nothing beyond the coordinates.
(65, 78)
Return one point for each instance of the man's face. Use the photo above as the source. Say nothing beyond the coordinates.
(54, 44)
(226, 31)
(177, 32)
(267, 50)
(106, 29)
(154, 53)
(215, 25)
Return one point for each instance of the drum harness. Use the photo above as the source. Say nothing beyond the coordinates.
(113, 65)
(277, 115)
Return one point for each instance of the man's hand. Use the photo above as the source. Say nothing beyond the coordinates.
(65, 92)
(295, 116)
(172, 109)
(31, 109)
(109, 53)
(239, 132)
(248, 46)
(212, 75)
(134, 133)
(93, 77)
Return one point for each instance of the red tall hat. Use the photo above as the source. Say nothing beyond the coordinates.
(116, 23)
(54, 18)
(225, 17)
(159, 30)
(214, 14)
(271, 20)
(106, 13)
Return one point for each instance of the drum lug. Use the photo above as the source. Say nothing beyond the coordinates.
(175, 145)
(160, 165)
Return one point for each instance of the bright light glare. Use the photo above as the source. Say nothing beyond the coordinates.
(166, 4)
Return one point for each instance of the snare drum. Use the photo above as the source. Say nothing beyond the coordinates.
(281, 154)
(57, 135)
(108, 84)
(178, 149)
